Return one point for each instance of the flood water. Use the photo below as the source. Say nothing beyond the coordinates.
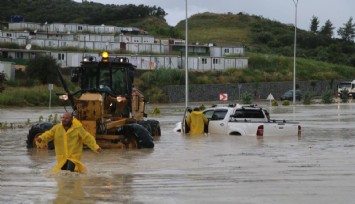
(319, 167)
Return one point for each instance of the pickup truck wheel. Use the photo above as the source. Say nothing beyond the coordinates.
(235, 134)
(35, 131)
(146, 125)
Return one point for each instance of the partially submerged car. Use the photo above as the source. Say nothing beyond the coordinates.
(246, 120)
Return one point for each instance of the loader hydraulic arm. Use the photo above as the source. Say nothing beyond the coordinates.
(70, 95)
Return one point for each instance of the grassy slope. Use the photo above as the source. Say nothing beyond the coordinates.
(222, 29)
(238, 29)
(145, 23)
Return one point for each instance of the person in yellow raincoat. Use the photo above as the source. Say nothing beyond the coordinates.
(69, 137)
(196, 121)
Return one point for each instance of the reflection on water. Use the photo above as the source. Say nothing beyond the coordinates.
(69, 189)
(88, 188)
(316, 168)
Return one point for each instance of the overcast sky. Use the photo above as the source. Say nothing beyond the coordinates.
(338, 12)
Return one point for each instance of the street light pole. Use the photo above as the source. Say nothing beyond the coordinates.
(294, 54)
(46, 28)
(186, 55)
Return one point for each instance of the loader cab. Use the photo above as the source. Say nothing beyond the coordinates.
(113, 75)
(112, 78)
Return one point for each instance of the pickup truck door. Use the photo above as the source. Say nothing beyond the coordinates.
(217, 122)
(184, 128)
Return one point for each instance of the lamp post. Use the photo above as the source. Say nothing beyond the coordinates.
(186, 55)
(46, 28)
(294, 54)
(181, 63)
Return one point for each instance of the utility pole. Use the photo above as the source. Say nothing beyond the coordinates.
(294, 54)
(186, 55)
(46, 28)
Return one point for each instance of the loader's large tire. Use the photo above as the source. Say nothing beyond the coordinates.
(153, 126)
(142, 135)
(146, 125)
(35, 131)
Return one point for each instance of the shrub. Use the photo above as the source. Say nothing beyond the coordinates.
(327, 97)
(202, 107)
(156, 95)
(29, 96)
(246, 98)
(307, 98)
(274, 103)
(155, 111)
(286, 103)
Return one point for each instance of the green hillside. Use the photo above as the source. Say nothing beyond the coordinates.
(219, 28)
(261, 35)
(151, 19)
(257, 34)
(269, 44)
(69, 11)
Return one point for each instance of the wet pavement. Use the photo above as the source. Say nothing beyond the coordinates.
(316, 168)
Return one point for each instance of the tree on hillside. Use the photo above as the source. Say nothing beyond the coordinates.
(68, 11)
(347, 32)
(43, 68)
(327, 29)
(314, 24)
(158, 12)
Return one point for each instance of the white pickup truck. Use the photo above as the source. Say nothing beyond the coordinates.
(244, 121)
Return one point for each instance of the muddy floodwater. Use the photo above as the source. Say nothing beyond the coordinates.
(319, 167)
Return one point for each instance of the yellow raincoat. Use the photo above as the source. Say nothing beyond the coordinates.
(69, 144)
(196, 120)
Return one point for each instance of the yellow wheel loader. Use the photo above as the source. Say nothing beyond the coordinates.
(107, 105)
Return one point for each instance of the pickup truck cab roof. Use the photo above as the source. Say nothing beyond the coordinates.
(245, 113)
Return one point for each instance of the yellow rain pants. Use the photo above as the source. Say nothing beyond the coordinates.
(69, 144)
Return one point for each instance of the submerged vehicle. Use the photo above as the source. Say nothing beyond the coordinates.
(107, 105)
(243, 120)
